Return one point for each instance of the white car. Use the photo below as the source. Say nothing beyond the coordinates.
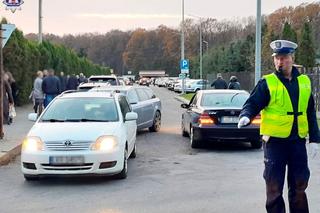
(81, 133)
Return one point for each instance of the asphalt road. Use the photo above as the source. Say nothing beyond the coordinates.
(166, 176)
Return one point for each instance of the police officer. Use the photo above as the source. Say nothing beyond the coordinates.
(287, 117)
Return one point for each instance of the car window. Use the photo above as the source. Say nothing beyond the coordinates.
(132, 96)
(149, 93)
(224, 99)
(111, 81)
(81, 109)
(143, 96)
(124, 106)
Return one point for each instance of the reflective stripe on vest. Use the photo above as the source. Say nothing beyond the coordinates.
(277, 118)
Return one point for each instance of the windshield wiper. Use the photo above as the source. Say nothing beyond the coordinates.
(234, 97)
(52, 120)
(85, 120)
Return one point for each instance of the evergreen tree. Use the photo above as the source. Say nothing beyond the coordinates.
(306, 50)
(288, 33)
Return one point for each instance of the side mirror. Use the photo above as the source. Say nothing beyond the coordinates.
(32, 116)
(185, 106)
(130, 116)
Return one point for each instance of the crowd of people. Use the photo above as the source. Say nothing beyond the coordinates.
(47, 86)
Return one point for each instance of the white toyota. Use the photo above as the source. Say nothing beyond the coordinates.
(81, 133)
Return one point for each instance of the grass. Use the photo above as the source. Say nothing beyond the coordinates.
(187, 96)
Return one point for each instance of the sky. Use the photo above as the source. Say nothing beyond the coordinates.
(100, 16)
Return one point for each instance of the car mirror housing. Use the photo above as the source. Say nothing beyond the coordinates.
(32, 116)
(185, 106)
(130, 116)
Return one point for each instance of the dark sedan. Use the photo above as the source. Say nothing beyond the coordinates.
(213, 115)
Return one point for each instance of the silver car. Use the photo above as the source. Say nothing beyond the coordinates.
(143, 101)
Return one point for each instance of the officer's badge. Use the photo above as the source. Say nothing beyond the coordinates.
(278, 44)
(13, 5)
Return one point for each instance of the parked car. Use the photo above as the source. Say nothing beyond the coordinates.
(144, 81)
(213, 115)
(81, 133)
(196, 85)
(144, 102)
(110, 79)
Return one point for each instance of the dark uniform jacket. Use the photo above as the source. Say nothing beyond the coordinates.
(260, 98)
(51, 85)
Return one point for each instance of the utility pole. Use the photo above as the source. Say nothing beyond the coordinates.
(182, 44)
(258, 44)
(40, 22)
(1, 83)
(200, 51)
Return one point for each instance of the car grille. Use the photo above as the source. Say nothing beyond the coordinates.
(66, 167)
(67, 145)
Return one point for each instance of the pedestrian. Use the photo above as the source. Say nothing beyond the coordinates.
(50, 87)
(45, 73)
(37, 93)
(82, 78)
(7, 100)
(63, 82)
(14, 88)
(72, 83)
(219, 83)
(288, 115)
(234, 83)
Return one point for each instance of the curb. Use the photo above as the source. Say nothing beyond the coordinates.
(181, 99)
(10, 155)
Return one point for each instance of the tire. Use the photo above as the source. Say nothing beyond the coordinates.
(124, 172)
(256, 144)
(183, 131)
(156, 123)
(194, 143)
(31, 177)
(134, 151)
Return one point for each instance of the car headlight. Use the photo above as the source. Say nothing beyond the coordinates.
(105, 143)
(32, 144)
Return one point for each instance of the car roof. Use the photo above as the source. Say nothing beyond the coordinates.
(122, 88)
(75, 94)
(223, 91)
(102, 76)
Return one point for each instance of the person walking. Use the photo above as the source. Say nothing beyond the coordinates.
(37, 93)
(50, 87)
(234, 83)
(14, 88)
(288, 115)
(7, 100)
(219, 83)
(63, 82)
(72, 83)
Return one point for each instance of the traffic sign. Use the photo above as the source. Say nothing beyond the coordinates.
(184, 66)
(7, 30)
(182, 76)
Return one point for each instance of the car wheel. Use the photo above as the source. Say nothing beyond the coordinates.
(134, 151)
(184, 132)
(31, 177)
(256, 144)
(194, 143)
(124, 171)
(156, 122)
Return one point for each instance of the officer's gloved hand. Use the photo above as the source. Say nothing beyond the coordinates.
(313, 149)
(244, 121)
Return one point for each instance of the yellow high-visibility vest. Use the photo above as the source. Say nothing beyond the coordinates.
(277, 118)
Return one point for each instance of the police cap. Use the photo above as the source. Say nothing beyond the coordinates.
(283, 47)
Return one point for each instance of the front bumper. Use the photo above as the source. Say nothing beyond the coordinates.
(92, 162)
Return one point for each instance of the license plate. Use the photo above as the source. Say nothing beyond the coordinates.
(229, 119)
(72, 160)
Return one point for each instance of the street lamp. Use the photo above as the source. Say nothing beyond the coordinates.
(258, 44)
(40, 22)
(182, 43)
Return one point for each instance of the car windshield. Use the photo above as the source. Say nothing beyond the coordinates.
(224, 99)
(81, 110)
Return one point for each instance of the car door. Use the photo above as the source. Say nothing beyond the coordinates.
(135, 105)
(146, 107)
(131, 126)
(188, 114)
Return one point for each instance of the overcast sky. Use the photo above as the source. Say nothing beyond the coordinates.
(80, 16)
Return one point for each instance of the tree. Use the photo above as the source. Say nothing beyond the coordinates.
(288, 33)
(306, 50)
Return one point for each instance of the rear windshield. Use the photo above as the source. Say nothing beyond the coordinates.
(224, 99)
(111, 81)
(81, 109)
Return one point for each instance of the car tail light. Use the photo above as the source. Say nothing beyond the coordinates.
(205, 119)
(256, 120)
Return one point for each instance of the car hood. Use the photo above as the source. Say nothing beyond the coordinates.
(88, 131)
